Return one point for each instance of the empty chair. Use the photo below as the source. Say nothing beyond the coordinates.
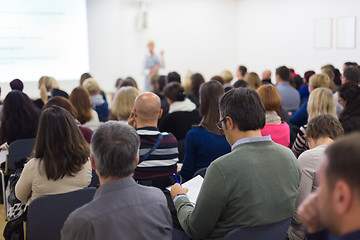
(19, 150)
(274, 231)
(46, 215)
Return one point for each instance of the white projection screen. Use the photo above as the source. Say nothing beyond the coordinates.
(43, 37)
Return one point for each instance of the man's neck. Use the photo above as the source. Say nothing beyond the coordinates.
(247, 134)
(146, 124)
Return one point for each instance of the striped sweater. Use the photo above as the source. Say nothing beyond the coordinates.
(163, 160)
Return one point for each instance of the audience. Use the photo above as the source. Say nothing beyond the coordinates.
(83, 77)
(321, 101)
(205, 142)
(242, 193)
(123, 103)
(241, 84)
(253, 80)
(121, 208)
(66, 104)
(99, 104)
(158, 150)
(227, 76)
(241, 72)
(334, 207)
(304, 88)
(16, 84)
(266, 77)
(278, 130)
(128, 82)
(87, 116)
(49, 87)
(290, 98)
(196, 80)
(300, 117)
(60, 162)
(173, 77)
(321, 131)
(20, 117)
(349, 98)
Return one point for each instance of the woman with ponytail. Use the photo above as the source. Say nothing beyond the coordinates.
(49, 87)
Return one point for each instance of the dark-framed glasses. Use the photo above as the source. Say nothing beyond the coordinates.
(219, 124)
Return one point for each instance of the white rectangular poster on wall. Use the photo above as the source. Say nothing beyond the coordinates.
(345, 32)
(323, 33)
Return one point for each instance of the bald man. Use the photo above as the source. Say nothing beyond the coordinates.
(158, 151)
(266, 77)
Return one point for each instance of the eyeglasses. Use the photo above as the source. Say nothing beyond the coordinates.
(219, 124)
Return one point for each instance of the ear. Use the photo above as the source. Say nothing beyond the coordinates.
(134, 111)
(92, 162)
(160, 113)
(342, 197)
(230, 123)
(137, 160)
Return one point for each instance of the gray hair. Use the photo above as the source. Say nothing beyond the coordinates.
(114, 147)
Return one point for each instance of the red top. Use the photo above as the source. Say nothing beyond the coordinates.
(279, 133)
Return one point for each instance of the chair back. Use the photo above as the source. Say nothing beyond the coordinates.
(19, 150)
(46, 215)
(201, 172)
(274, 231)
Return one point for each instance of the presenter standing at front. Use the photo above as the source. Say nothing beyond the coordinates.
(151, 64)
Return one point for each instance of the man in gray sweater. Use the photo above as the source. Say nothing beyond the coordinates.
(254, 185)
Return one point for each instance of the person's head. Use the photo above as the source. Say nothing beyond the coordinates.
(147, 110)
(210, 93)
(174, 92)
(241, 110)
(19, 117)
(129, 82)
(61, 102)
(253, 79)
(118, 82)
(349, 98)
(350, 64)
(351, 74)
(321, 101)
(266, 74)
(92, 86)
(60, 144)
(241, 84)
(323, 126)
(270, 97)
(282, 74)
(114, 150)
(46, 85)
(161, 81)
(227, 76)
(173, 77)
(241, 72)
(196, 80)
(319, 80)
(217, 78)
(339, 191)
(151, 46)
(337, 78)
(16, 84)
(153, 82)
(123, 102)
(83, 77)
(307, 76)
(328, 71)
(80, 99)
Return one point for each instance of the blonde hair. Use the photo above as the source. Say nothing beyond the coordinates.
(319, 80)
(321, 101)
(253, 80)
(227, 76)
(92, 86)
(46, 84)
(187, 81)
(123, 102)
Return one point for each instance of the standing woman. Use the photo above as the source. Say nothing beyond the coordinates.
(60, 162)
(206, 142)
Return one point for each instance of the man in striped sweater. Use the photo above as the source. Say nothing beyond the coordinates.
(158, 151)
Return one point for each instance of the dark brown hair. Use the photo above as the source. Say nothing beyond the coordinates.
(175, 92)
(60, 144)
(61, 102)
(196, 80)
(217, 78)
(210, 93)
(80, 99)
(83, 77)
(324, 125)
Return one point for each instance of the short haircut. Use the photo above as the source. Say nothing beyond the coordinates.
(175, 92)
(241, 84)
(227, 76)
(270, 97)
(352, 74)
(245, 108)
(173, 77)
(217, 78)
(128, 82)
(284, 73)
(324, 125)
(349, 64)
(320, 80)
(114, 147)
(344, 161)
(243, 70)
(92, 86)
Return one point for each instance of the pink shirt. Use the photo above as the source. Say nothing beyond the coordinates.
(279, 133)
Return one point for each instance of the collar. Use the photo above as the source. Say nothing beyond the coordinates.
(148, 128)
(115, 185)
(250, 140)
(186, 106)
(283, 83)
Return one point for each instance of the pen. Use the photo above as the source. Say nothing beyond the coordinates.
(176, 179)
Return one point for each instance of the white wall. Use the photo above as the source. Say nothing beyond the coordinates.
(278, 32)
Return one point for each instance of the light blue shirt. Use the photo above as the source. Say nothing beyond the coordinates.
(290, 97)
(250, 139)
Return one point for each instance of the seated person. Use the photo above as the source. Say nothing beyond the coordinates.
(61, 158)
(99, 104)
(321, 131)
(158, 150)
